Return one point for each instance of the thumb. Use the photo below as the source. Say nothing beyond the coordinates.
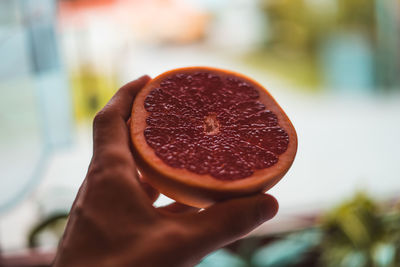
(228, 221)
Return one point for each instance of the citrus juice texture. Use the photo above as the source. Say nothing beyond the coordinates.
(210, 124)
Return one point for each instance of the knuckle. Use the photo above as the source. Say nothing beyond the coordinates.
(102, 117)
(80, 213)
(102, 171)
(113, 157)
(108, 179)
(78, 209)
(100, 177)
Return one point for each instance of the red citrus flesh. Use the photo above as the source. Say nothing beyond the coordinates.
(202, 135)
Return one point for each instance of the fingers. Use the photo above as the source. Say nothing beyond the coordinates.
(151, 192)
(228, 221)
(177, 208)
(109, 126)
(121, 102)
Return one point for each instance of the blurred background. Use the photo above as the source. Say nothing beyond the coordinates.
(333, 65)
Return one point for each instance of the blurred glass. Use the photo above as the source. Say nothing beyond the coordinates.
(34, 102)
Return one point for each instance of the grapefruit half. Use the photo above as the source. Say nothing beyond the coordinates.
(202, 135)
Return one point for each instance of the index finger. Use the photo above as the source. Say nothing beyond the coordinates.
(109, 125)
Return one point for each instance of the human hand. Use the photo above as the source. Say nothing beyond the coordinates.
(113, 222)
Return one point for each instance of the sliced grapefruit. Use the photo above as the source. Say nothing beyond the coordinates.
(202, 135)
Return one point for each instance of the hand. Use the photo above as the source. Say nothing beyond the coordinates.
(113, 222)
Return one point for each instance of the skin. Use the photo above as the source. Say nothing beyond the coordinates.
(113, 221)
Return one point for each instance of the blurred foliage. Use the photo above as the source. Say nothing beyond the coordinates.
(298, 68)
(292, 249)
(357, 14)
(361, 233)
(301, 25)
(222, 258)
(293, 25)
(296, 30)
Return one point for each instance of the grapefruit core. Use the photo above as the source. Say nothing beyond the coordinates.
(202, 135)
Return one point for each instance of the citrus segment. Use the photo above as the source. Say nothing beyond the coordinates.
(202, 135)
(214, 125)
